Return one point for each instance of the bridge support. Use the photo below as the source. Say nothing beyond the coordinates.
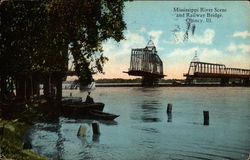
(246, 82)
(224, 81)
(190, 81)
(149, 82)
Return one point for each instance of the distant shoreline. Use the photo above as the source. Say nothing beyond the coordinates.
(159, 85)
(165, 85)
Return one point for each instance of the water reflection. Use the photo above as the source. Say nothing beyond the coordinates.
(109, 123)
(85, 148)
(169, 117)
(96, 138)
(141, 131)
(150, 130)
(148, 111)
(60, 140)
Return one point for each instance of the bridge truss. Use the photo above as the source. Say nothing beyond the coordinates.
(146, 63)
(212, 70)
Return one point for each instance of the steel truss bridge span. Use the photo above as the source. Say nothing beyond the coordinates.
(146, 63)
(212, 70)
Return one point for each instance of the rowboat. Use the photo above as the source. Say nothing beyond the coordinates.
(96, 114)
(67, 100)
(80, 108)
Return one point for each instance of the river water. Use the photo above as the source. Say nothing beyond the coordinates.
(145, 132)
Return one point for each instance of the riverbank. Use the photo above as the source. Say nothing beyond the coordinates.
(11, 136)
(12, 142)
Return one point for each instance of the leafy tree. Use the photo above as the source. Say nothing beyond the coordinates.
(36, 36)
(85, 25)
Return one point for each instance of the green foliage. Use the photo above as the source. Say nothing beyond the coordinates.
(17, 43)
(35, 36)
(11, 142)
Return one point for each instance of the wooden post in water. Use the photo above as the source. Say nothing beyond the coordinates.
(70, 94)
(206, 117)
(95, 128)
(169, 112)
(169, 109)
(82, 131)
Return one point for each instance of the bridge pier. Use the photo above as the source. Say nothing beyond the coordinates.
(246, 82)
(149, 82)
(190, 80)
(224, 81)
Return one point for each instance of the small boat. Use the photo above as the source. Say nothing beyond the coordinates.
(68, 100)
(95, 114)
(81, 108)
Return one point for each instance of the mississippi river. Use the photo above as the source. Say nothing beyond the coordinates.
(145, 132)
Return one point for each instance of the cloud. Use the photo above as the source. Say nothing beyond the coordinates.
(177, 61)
(155, 34)
(243, 34)
(211, 55)
(206, 38)
(143, 29)
(178, 38)
(232, 47)
(244, 48)
(115, 50)
(183, 52)
(240, 47)
(119, 55)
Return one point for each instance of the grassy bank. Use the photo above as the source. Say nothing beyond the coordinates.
(11, 136)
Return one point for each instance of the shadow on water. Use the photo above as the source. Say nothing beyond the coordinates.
(60, 140)
(170, 117)
(48, 127)
(148, 92)
(96, 138)
(88, 121)
(150, 130)
(86, 146)
(56, 128)
(108, 123)
(147, 111)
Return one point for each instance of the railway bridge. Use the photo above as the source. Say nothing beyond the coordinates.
(146, 63)
(212, 70)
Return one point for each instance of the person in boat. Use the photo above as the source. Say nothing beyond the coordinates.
(89, 99)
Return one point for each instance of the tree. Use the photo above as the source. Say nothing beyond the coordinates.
(85, 25)
(36, 38)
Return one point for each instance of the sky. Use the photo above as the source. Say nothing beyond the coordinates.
(224, 38)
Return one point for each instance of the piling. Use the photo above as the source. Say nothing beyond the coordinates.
(206, 117)
(82, 131)
(95, 128)
(70, 94)
(169, 109)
